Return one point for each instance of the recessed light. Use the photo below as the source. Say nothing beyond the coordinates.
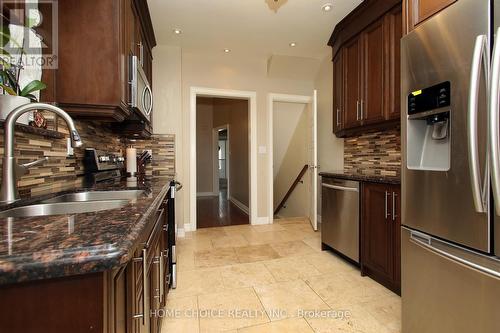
(227, 50)
(177, 31)
(293, 44)
(327, 7)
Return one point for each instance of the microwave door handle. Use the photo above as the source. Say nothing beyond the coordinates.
(150, 107)
(494, 109)
(472, 119)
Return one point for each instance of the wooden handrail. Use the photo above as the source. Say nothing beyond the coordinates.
(287, 195)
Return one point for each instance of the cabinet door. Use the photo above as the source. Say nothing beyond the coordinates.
(396, 226)
(135, 294)
(393, 33)
(372, 101)
(338, 75)
(420, 10)
(352, 80)
(377, 230)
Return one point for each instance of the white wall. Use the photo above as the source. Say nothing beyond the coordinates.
(224, 71)
(286, 117)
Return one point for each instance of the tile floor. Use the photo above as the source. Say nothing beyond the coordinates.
(273, 278)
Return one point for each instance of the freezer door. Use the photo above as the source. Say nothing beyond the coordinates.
(441, 203)
(446, 288)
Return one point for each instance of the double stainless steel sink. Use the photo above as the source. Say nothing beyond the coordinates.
(74, 203)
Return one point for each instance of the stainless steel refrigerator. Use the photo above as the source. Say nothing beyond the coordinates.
(450, 242)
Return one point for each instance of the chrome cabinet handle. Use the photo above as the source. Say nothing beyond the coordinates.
(357, 110)
(150, 108)
(362, 109)
(394, 195)
(480, 50)
(340, 188)
(142, 259)
(386, 209)
(494, 121)
(338, 117)
(162, 277)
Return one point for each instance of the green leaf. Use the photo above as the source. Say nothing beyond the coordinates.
(8, 89)
(4, 35)
(34, 85)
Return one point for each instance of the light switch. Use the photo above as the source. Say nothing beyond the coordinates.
(262, 150)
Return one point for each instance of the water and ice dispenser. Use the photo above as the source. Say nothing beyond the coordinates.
(428, 128)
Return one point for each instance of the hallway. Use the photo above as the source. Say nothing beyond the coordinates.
(273, 278)
(218, 211)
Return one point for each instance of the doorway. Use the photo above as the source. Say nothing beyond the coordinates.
(293, 169)
(222, 161)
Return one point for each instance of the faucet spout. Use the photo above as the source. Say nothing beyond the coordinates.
(9, 192)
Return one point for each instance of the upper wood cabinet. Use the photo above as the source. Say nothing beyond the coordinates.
(366, 46)
(418, 11)
(96, 39)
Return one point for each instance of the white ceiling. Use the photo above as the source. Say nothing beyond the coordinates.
(248, 27)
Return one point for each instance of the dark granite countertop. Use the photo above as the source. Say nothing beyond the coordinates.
(362, 177)
(34, 248)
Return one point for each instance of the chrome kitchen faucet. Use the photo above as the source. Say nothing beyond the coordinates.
(11, 170)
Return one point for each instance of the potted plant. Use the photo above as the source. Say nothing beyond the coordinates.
(13, 95)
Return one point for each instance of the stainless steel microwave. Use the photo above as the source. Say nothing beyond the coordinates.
(141, 95)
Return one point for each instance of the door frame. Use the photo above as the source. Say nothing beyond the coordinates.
(251, 96)
(271, 99)
(215, 138)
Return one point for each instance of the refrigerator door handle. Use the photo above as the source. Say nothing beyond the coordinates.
(494, 122)
(479, 59)
(446, 250)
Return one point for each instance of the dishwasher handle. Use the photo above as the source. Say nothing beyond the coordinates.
(340, 188)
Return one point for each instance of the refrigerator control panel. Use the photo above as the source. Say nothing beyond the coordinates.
(430, 98)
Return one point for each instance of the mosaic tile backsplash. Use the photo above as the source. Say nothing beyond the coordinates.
(377, 153)
(63, 173)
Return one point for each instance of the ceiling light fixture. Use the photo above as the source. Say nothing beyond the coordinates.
(293, 44)
(227, 50)
(177, 31)
(327, 7)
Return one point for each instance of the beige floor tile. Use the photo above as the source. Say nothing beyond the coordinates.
(294, 248)
(240, 230)
(229, 241)
(341, 290)
(215, 257)
(255, 253)
(198, 243)
(196, 282)
(267, 227)
(314, 242)
(292, 325)
(230, 310)
(246, 275)
(386, 310)
(180, 315)
(268, 237)
(328, 263)
(185, 261)
(292, 268)
(354, 319)
(289, 299)
(212, 232)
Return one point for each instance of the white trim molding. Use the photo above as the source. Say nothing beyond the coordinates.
(271, 99)
(206, 194)
(251, 96)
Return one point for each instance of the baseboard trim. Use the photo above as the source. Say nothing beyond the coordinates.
(262, 221)
(181, 233)
(239, 204)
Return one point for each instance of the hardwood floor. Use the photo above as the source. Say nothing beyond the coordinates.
(218, 211)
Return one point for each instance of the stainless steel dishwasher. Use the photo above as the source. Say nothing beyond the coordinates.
(340, 216)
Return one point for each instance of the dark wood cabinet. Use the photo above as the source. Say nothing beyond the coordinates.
(96, 39)
(420, 10)
(380, 234)
(366, 91)
(352, 84)
(338, 91)
(372, 99)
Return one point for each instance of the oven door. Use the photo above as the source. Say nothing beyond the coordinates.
(141, 93)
